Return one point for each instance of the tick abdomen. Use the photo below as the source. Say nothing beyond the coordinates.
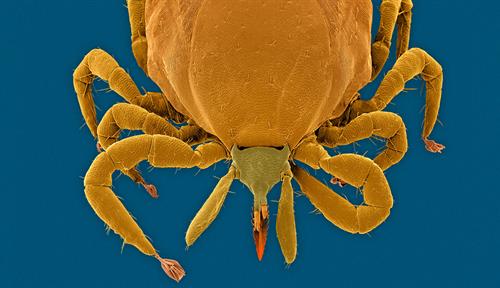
(259, 73)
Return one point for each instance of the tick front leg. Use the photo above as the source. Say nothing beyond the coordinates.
(359, 172)
(392, 13)
(136, 11)
(160, 151)
(387, 125)
(412, 63)
(124, 116)
(98, 63)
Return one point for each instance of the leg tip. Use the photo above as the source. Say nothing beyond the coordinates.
(151, 189)
(98, 147)
(172, 268)
(433, 147)
(337, 181)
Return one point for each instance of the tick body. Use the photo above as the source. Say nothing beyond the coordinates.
(263, 84)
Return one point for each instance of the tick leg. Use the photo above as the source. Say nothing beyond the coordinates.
(412, 63)
(160, 151)
(392, 13)
(338, 181)
(132, 117)
(98, 63)
(123, 116)
(359, 172)
(387, 125)
(136, 11)
(285, 221)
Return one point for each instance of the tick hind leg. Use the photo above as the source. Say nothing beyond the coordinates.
(98, 63)
(136, 11)
(124, 116)
(382, 124)
(392, 13)
(160, 151)
(359, 172)
(412, 63)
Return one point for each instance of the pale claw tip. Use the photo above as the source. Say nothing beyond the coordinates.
(151, 189)
(172, 268)
(433, 147)
(337, 181)
(98, 147)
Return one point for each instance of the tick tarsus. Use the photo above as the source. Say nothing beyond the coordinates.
(99, 147)
(150, 188)
(433, 146)
(172, 268)
(338, 181)
(137, 177)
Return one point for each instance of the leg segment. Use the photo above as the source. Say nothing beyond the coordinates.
(157, 103)
(99, 63)
(285, 221)
(392, 13)
(131, 117)
(412, 63)
(357, 171)
(383, 124)
(160, 151)
(136, 9)
(128, 116)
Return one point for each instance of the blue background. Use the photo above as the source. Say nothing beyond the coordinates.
(443, 231)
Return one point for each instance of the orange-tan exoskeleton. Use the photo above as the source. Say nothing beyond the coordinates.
(264, 84)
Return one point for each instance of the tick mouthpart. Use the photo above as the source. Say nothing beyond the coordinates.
(260, 227)
(260, 168)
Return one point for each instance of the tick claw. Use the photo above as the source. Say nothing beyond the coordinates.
(337, 181)
(172, 268)
(151, 189)
(433, 146)
(98, 147)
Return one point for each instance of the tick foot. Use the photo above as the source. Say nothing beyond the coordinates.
(433, 146)
(337, 181)
(172, 268)
(151, 189)
(98, 147)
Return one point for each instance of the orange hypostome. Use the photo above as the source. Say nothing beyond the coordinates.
(260, 227)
